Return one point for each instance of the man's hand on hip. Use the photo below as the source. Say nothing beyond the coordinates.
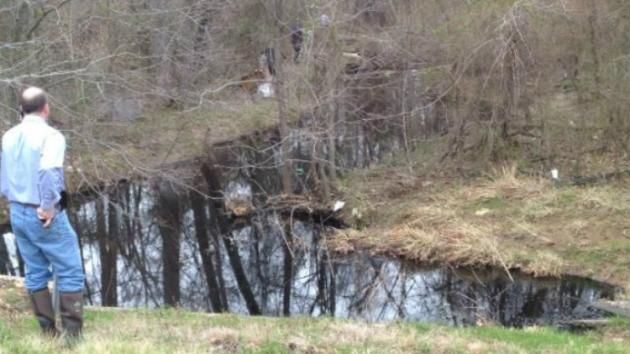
(46, 216)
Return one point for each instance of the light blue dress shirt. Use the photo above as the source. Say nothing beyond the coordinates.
(31, 169)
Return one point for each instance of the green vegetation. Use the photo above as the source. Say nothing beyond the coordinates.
(178, 331)
(175, 331)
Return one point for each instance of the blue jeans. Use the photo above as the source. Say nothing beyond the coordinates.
(41, 248)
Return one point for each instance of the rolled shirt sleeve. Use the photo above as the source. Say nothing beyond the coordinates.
(51, 181)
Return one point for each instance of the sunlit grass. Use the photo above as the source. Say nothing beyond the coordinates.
(175, 331)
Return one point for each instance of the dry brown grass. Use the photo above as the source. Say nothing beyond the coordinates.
(13, 301)
(503, 220)
(431, 234)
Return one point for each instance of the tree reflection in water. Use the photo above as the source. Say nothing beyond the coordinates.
(286, 270)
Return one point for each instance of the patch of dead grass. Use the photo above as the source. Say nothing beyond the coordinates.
(360, 335)
(504, 220)
(222, 339)
(13, 299)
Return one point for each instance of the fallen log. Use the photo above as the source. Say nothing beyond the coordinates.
(585, 324)
(298, 207)
(619, 308)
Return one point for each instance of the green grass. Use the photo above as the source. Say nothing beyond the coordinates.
(566, 198)
(497, 202)
(176, 331)
(546, 340)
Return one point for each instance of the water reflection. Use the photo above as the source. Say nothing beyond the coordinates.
(315, 282)
(269, 264)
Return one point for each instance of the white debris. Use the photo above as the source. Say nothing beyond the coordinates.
(482, 212)
(555, 174)
(324, 20)
(9, 241)
(338, 205)
(266, 90)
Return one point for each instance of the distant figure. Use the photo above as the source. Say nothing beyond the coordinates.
(267, 63)
(297, 39)
(32, 179)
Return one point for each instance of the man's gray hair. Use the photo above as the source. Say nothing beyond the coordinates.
(33, 99)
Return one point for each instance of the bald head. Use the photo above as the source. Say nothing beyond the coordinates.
(33, 100)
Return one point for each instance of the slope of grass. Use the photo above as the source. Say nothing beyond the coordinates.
(174, 331)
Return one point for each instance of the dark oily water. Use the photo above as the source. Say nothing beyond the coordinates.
(307, 280)
(267, 265)
(379, 289)
(390, 290)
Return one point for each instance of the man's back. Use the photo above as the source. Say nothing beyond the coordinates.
(31, 177)
(28, 148)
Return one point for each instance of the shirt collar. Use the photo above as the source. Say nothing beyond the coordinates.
(33, 118)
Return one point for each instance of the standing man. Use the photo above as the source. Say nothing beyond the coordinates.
(31, 178)
(297, 39)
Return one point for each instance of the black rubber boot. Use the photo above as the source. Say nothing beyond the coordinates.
(71, 310)
(43, 310)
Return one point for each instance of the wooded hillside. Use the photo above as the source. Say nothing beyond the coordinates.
(544, 82)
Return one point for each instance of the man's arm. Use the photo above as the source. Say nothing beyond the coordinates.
(51, 176)
(4, 183)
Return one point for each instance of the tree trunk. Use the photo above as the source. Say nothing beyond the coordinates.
(108, 251)
(20, 262)
(113, 243)
(74, 220)
(288, 269)
(169, 222)
(212, 176)
(6, 268)
(219, 262)
(287, 182)
(201, 232)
